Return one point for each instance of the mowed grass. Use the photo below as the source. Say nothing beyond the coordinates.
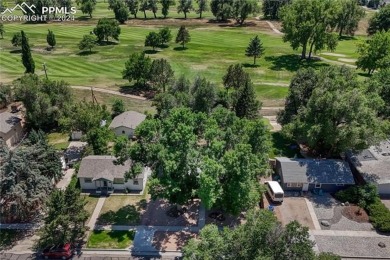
(110, 239)
(60, 141)
(91, 204)
(122, 210)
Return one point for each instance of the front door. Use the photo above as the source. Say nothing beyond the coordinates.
(104, 183)
(305, 187)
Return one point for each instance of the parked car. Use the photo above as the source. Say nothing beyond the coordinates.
(61, 251)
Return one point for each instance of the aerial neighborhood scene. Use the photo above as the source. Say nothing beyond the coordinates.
(195, 129)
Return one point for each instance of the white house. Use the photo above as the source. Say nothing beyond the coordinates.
(100, 173)
(125, 123)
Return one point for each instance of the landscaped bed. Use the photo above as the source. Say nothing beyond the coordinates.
(171, 241)
(110, 239)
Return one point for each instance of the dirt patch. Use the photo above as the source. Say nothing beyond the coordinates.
(347, 60)
(356, 214)
(156, 214)
(333, 54)
(199, 67)
(294, 208)
(171, 241)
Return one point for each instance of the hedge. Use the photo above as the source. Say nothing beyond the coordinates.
(379, 216)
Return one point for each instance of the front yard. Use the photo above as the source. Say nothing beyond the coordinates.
(111, 239)
(122, 210)
(91, 204)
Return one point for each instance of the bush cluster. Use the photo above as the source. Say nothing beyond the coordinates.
(378, 212)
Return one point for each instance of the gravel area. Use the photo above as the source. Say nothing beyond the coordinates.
(354, 246)
(346, 224)
(323, 206)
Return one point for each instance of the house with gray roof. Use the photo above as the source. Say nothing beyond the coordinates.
(125, 123)
(373, 166)
(101, 174)
(11, 130)
(310, 174)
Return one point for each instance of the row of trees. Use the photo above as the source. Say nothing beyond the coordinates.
(331, 110)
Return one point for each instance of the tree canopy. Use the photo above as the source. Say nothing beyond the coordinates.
(260, 237)
(271, 8)
(380, 21)
(339, 114)
(347, 16)
(107, 28)
(87, 6)
(137, 68)
(185, 6)
(183, 36)
(161, 74)
(307, 23)
(87, 42)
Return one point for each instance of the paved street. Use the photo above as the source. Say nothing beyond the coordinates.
(90, 257)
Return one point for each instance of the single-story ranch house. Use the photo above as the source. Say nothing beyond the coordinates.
(125, 123)
(373, 166)
(311, 174)
(11, 130)
(99, 173)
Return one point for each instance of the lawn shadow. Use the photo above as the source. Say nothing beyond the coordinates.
(86, 53)
(150, 51)
(281, 146)
(250, 65)
(293, 62)
(107, 43)
(16, 51)
(181, 48)
(161, 240)
(364, 74)
(138, 90)
(163, 46)
(10, 237)
(127, 215)
(83, 18)
(347, 38)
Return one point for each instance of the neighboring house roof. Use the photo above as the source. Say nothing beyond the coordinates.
(373, 163)
(315, 171)
(8, 122)
(102, 166)
(129, 119)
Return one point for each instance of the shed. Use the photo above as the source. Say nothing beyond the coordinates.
(125, 123)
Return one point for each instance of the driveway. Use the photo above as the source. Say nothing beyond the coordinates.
(294, 208)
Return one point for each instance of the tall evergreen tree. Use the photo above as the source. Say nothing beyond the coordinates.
(2, 30)
(245, 102)
(255, 49)
(183, 36)
(27, 58)
(51, 39)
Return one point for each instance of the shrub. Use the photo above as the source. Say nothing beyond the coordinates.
(379, 216)
(363, 195)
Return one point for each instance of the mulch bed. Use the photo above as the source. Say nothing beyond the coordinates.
(356, 214)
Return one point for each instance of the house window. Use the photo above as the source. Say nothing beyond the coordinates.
(318, 185)
(119, 181)
(135, 182)
(87, 180)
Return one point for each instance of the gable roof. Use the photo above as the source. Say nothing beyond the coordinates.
(102, 166)
(129, 119)
(8, 121)
(315, 171)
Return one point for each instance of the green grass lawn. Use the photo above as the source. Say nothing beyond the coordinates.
(211, 50)
(110, 239)
(122, 210)
(60, 141)
(282, 147)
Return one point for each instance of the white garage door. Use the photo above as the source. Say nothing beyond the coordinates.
(384, 188)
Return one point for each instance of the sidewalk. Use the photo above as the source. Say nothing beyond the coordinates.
(96, 212)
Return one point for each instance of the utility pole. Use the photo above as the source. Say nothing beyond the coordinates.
(45, 69)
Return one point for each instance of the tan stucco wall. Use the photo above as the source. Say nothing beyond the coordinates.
(13, 137)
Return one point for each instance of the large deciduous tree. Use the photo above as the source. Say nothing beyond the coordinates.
(241, 9)
(161, 74)
(374, 53)
(271, 8)
(380, 21)
(221, 9)
(260, 237)
(98, 139)
(307, 23)
(339, 115)
(183, 36)
(202, 7)
(27, 58)
(144, 7)
(153, 40)
(45, 101)
(133, 6)
(87, 6)
(87, 42)
(165, 36)
(185, 6)
(165, 4)
(107, 28)
(137, 68)
(255, 49)
(118, 107)
(347, 17)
